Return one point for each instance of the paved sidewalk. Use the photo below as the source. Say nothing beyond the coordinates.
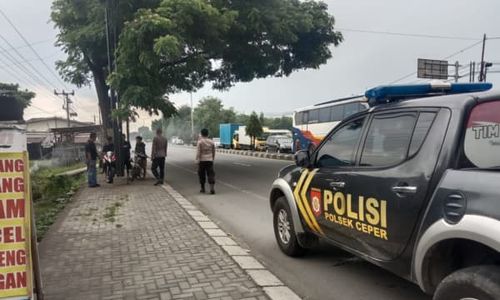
(136, 242)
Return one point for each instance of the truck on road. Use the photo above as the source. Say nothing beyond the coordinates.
(410, 184)
(226, 132)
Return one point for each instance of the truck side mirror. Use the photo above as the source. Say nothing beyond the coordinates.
(303, 158)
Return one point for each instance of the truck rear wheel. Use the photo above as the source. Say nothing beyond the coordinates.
(479, 282)
(284, 230)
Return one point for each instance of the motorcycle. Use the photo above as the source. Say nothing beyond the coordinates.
(139, 166)
(110, 165)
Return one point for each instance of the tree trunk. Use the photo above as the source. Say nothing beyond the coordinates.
(104, 101)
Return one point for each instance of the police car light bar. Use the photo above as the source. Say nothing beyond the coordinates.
(391, 93)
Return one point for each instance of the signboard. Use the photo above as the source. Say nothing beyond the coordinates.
(432, 69)
(16, 280)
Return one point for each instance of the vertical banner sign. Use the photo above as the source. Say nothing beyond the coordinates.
(16, 280)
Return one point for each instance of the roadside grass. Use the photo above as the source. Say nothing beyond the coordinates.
(51, 193)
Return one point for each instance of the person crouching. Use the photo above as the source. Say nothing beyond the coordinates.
(205, 156)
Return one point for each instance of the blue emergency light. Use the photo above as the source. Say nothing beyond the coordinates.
(391, 93)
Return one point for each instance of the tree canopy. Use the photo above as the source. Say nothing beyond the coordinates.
(210, 112)
(179, 45)
(23, 97)
(82, 36)
(253, 127)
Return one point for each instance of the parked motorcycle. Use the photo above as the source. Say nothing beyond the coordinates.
(110, 165)
(139, 166)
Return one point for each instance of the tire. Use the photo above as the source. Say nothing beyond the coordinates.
(479, 282)
(284, 230)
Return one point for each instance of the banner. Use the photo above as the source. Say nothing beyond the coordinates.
(16, 280)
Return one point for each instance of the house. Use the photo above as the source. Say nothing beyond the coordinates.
(42, 134)
(46, 124)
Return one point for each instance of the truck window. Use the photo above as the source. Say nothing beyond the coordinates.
(482, 136)
(298, 118)
(340, 148)
(424, 123)
(388, 140)
(337, 113)
(350, 109)
(313, 116)
(324, 115)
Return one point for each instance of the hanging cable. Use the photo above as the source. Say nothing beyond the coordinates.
(32, 49)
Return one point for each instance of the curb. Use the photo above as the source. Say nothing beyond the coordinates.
(279, 156)
(73, 172)
(272, 286)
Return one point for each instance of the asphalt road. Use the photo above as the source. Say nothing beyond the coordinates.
(241, 208)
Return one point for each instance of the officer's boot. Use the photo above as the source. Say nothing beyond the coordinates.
(212, 188)
(202, 190)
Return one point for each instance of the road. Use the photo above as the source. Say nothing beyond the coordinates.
(241, 207)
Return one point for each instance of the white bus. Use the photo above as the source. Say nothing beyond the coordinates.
(312, 123)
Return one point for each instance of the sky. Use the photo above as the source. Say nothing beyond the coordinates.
(363, 60)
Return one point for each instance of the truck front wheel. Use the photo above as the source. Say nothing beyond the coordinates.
(284, 230)
(479, 282)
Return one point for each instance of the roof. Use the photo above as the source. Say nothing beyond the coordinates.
(34, 120)
(79, 129)
(333, 103)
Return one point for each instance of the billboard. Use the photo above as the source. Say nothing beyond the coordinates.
(432, 69)
(16, 280)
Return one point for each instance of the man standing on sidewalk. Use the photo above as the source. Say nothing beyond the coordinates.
(91, 158)
(205, 156)
(158, 154)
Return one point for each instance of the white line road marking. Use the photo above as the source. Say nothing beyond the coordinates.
(241, 164)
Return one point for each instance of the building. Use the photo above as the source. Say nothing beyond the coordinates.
(44, 133)
(46, 124)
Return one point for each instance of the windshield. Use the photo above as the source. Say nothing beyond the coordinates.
(482, 136)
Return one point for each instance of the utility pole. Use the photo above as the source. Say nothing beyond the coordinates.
(192, 120)
(457, 76)
(110, 23)
(481, 72)
(67, 102)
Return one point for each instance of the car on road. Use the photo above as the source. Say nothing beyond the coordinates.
(216, 141)
(279, 144)
(177, 141)
(410, 184)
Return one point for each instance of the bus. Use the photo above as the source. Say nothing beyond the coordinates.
(312, 123)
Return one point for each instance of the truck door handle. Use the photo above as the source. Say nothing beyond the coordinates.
(337, 184)
(404, 189)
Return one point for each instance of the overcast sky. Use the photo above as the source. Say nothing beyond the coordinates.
(362, 61)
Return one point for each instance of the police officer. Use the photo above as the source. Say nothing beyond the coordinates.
(205, 156)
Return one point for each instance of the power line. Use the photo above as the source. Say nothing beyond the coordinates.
(447, 57)
(24, 61)
(31, 47)
(33, 80)
(32, 44)
(23, 58)
(418, 35)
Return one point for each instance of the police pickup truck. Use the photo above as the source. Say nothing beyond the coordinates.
(412, 185)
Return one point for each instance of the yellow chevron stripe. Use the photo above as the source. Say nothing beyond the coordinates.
(299, 202)
(305, 187)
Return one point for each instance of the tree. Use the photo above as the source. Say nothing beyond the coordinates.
(253, 128)
(145, 132)
(182, 44)
(262, 118)
(210, 112)
(23, 97)
(279, 123)
(82, 36)
(178, 125)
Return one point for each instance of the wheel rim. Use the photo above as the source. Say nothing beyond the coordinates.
(284, 226)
